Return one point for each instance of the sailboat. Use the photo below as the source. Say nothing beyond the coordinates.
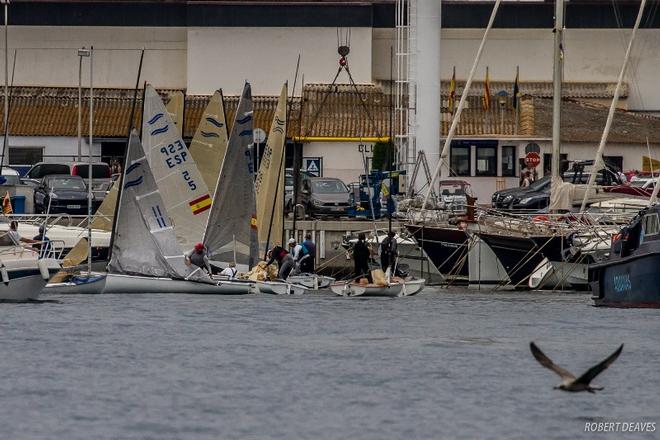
(230, 234)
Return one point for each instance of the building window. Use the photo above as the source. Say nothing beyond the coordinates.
(547, 163)
(25, 155)
(614, 161)
(460, 160)
(486, 161)
(651, 226)
(508, 161)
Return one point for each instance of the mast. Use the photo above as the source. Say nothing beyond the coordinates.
(598, 162)
(557, 77)
(89, 169)
(6, 106)
(461, 104)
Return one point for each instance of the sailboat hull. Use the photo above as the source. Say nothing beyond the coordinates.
(447, 248)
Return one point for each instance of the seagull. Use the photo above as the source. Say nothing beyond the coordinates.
(569, 382)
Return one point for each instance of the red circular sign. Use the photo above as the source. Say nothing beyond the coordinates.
(532, 159)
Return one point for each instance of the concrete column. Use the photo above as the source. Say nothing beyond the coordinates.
(428, 80)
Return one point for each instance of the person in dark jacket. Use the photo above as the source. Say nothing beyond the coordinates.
(388, 252)
(284, 260)
(308, 254)
(361, 256)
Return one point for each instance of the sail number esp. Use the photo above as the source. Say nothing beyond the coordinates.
(176, 154)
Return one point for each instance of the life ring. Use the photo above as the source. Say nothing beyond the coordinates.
(540, 218)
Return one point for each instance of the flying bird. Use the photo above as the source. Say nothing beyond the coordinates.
(569, 382)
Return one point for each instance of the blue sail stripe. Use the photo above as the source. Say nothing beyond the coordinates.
(245, 133)
(212, 121)
(155, 118)
(132, 168)
(210, 134)
(160, 130)
(135, 182)
(244, 120)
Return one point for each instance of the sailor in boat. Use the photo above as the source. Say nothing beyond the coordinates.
(230, 271)
(284, 260)
(15, 237)
(361, 256)
(197, 257)
(42, 240)
(306, 262)
(388, 252)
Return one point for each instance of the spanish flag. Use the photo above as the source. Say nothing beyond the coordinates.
(253, 221)
(452, 91)
(201, 204)
(6, 205)
(485, 100)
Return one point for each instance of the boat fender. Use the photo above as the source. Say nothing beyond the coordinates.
(5, 275)
(43, 269)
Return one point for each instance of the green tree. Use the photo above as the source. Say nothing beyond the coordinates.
(383, 156)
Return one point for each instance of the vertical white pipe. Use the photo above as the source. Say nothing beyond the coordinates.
(557, 77)
(5, 147)
(598, 162)
(427, 61)
(79, 108)
(461, 104)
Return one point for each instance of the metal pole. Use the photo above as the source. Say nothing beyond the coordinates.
(557, 78)
(461, 104)
(80, 107)
(89, 170)
(610, 116)
(6, 106)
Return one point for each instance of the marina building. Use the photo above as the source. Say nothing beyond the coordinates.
(197, 47)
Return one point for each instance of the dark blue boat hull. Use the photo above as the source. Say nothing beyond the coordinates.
(632, 281)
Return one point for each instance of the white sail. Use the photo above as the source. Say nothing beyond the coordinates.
(209, 144)
(175, 109)
(144, 242)
(186, 196)
(104, 214)
(232, 225)
(270, 180)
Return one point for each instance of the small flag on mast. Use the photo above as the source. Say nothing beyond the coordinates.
(485, 100)
(6, 205)
(452, 91)
(516, 88)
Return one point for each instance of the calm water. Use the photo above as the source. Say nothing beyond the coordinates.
(436, 366)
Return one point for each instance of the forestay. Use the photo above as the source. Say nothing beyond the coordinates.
(145, 243)
(232, 225)
(270, 180)
(185, 195)
(209, 144)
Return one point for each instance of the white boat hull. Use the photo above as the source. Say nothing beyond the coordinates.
(23, 288)
(554, 275)
(354, 289)
(131, 284)
(413, 287)
(311, 281)
(280, 288)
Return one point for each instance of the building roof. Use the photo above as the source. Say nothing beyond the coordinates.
(333, 111)
(584, 122)
(53, 111)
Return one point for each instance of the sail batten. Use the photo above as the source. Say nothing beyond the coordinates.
(232, 224)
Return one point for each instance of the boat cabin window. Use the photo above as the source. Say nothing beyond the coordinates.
(651, 224)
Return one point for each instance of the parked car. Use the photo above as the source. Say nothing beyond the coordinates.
(64, 193)
(9, 176)
(288, 187)
(325, 196)
(101, 174)
(506, 198)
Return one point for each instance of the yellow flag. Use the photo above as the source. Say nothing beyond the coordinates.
(485, 100)
(452, 92)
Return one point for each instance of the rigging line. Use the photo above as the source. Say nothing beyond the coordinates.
(320, 107)
(363, 103)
